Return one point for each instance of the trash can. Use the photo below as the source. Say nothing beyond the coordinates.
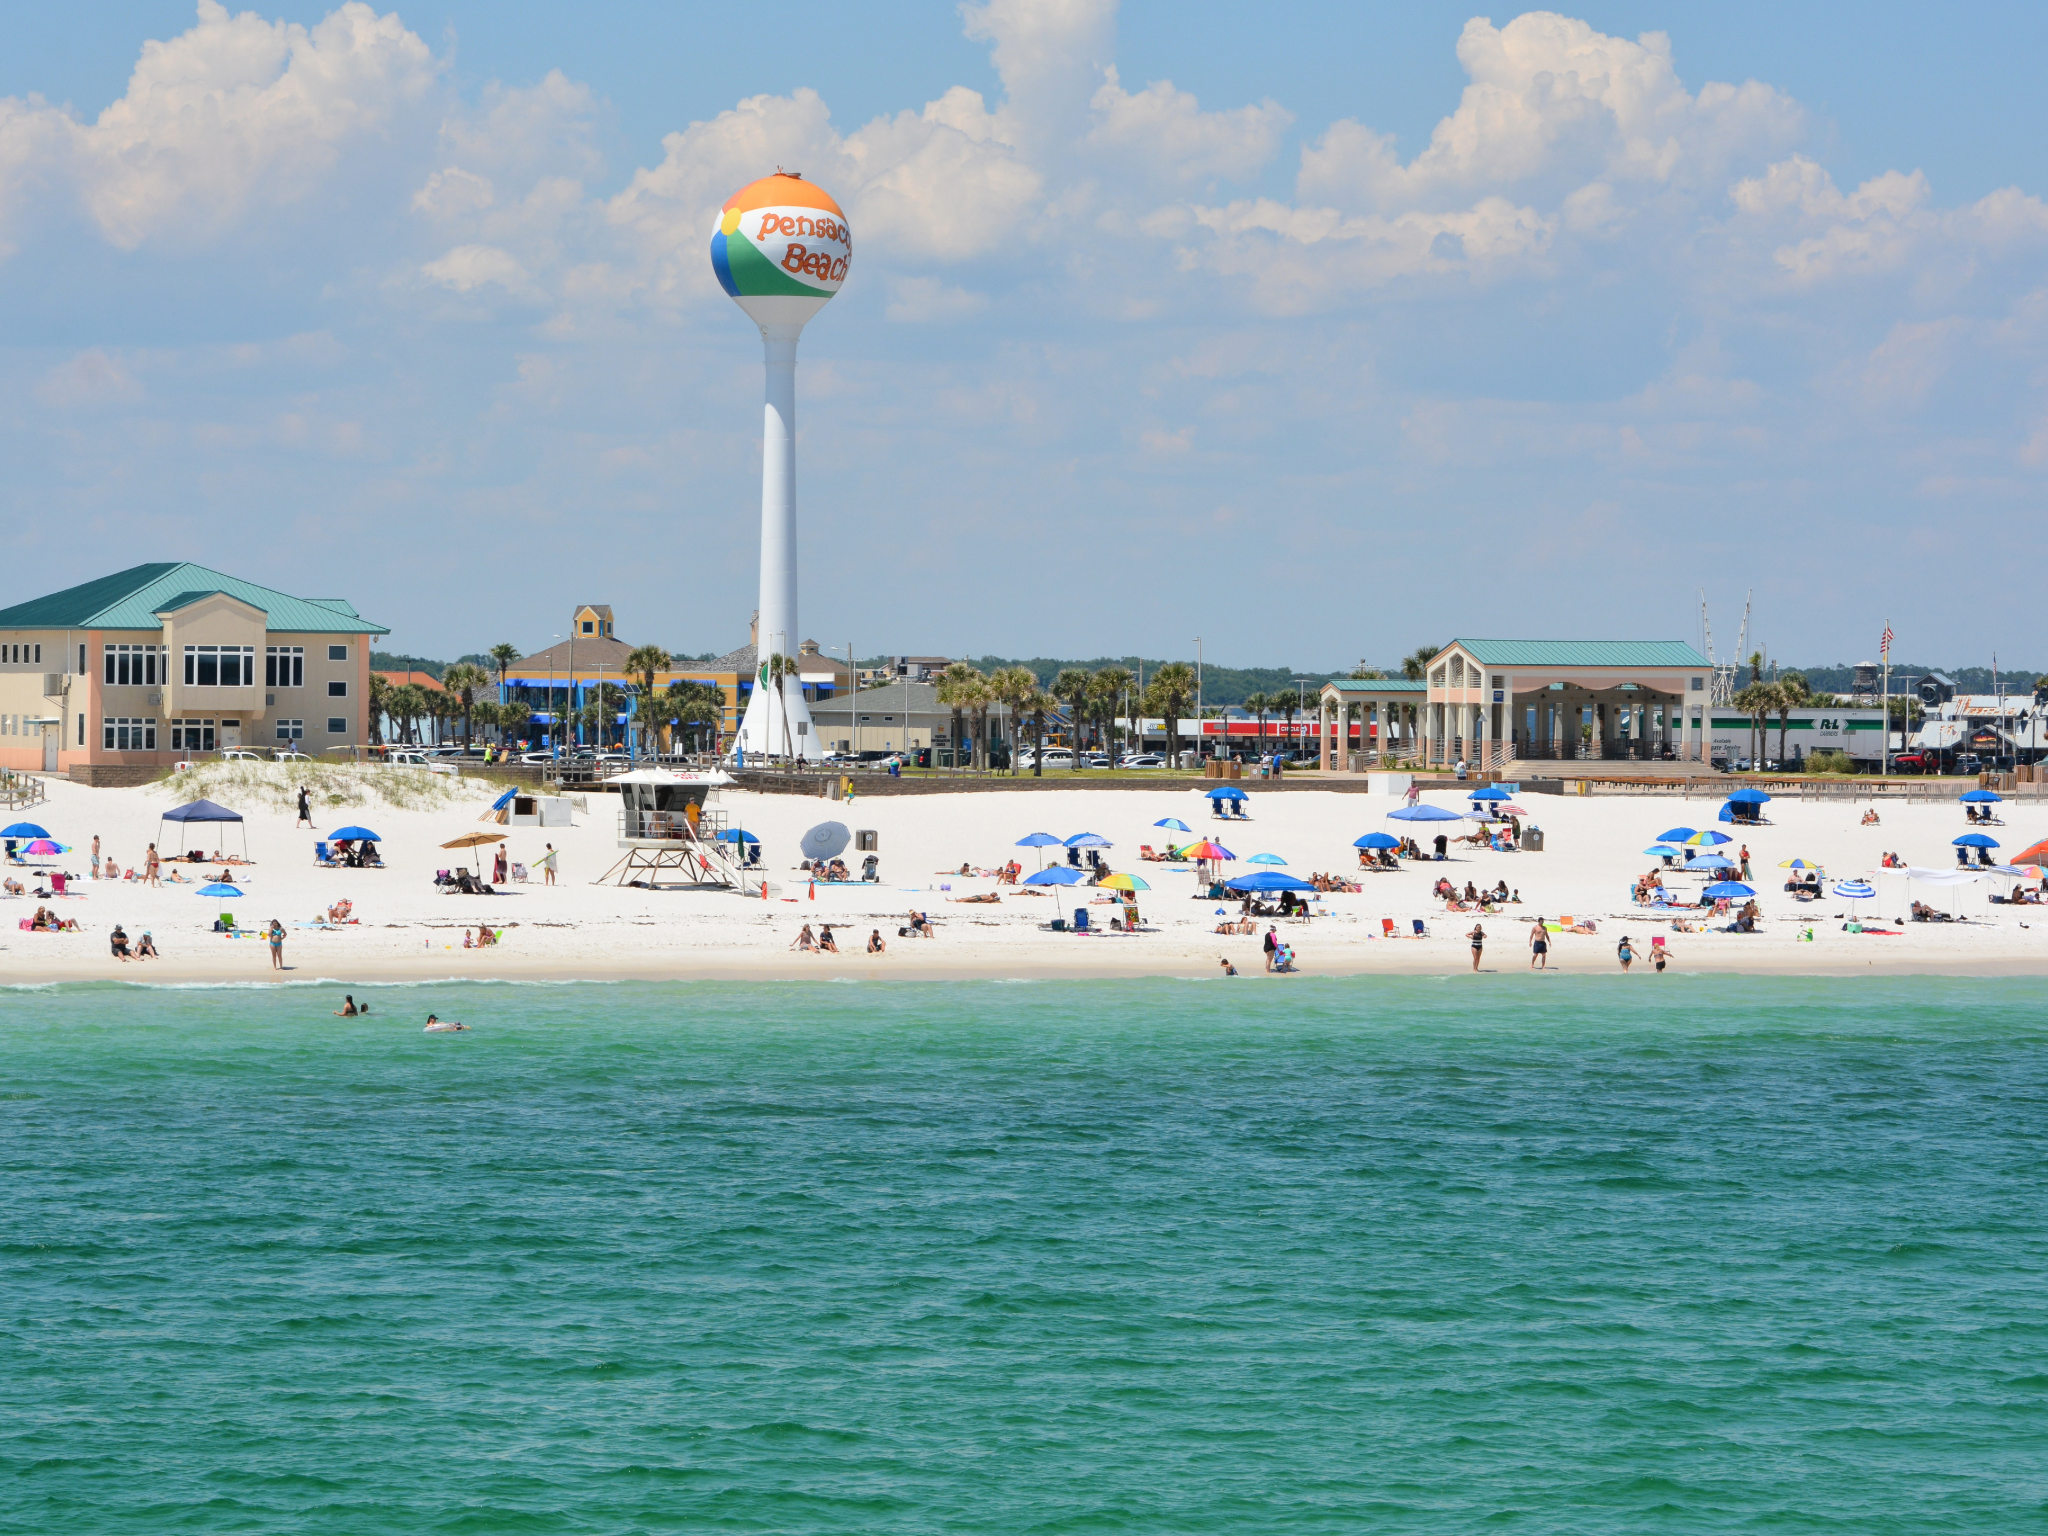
(1532, 839)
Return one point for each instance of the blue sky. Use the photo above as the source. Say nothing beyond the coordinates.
(1320, 335)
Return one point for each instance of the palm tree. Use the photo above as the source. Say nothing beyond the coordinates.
(955, 690)
(775, 672)
(464, 681)
(1106, 690)
(1287, 705)
(1258, 706)
(1036, 703)
(1757, 701)
(1071, 688)
(380, 701)
(1793, 693)
(1013, 685)
(1415, 665)
(1173, 686)
(641, 663)
(405, 704)
(503, 654)
(980, 698)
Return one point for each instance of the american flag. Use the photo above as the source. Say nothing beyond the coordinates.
(1884, 646)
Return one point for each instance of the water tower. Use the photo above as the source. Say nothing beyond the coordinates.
(781, 249)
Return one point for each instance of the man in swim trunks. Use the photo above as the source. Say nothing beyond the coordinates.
(1539, 946)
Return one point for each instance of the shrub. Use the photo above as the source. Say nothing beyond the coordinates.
(1831, 762)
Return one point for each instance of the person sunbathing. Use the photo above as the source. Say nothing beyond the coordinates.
(1870, 819)
(987, 898)
(14, 887)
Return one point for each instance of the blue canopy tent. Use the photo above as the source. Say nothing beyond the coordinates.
(1267, 880)
(1422, 812)
(202, 811)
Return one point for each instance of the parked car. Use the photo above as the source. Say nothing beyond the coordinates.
(1914, 762)
(1055, 757)
(1144, 760)
(1096, 760)
(240, 755)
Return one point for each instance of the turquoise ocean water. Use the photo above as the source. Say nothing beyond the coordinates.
(1585, 1255)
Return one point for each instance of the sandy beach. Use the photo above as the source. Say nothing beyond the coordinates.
(408, 930)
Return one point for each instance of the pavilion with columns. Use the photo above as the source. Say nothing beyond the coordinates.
(1487, 703)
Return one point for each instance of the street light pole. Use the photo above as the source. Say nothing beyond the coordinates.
(853, 703)
(554, 719)
(1202, 738)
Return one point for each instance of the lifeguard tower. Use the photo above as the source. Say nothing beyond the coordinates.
(671, 836)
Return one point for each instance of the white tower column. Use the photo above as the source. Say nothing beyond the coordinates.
(778, 721)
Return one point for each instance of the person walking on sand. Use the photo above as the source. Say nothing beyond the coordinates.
(1659, 953)
(305, 809)
(1478, 938)
(95, 855)
(1414, 793)
(547, 864)
(276, 938)
(1272, 943)
(1625, 953)
(1539, 946)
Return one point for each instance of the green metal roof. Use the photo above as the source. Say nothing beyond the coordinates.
(133, 598)
(1378, 685)
(1582, 653)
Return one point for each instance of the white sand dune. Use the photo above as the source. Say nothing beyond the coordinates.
(409, 930)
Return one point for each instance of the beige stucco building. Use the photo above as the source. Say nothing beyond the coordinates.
(170, 661)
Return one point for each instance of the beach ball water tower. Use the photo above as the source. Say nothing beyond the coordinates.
(781, 248)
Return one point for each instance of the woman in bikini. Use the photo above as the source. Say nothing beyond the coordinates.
(1478, 938)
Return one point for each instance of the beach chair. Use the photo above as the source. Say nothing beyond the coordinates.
(518, 874)
(1421, 929)
(57, 881)
(1080, 919)
(1386, 927)
(319, 853)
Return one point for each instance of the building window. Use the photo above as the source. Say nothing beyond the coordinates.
(220, 666)
(39, 656)
(284, 666)
(1697, 684)
(291, 730)
(126, 735)
(81, 673)
(337, 725)
(132, 666)
(337, 653)
(191, 735)
(337, 690)
(588, 627)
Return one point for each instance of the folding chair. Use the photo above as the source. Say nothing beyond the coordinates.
(1386, 927)
(1421, 932)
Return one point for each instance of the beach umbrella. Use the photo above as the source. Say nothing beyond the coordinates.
(1206, 850)
(474, 841)
(1855, 890)
(1980, 797)
(1089, 840)
(735, 835)
(1511, 810)
(1975, 840)
(2038, 854)
(43, 846)
(1265, 858)
(1713, 861)
(826, 840)
(1728, 889)
(217, 889)
(1661, 851)
(1174, 824)
(359, 835)
(1038, 840)
(23, 829)
(1706, 839)
(1377, 840)
(1675, 835)
(1491, 792)
(1059, 874)
(1748, 797)
(1123, 882)
(1224, 792)
(1797, 864)
(1268, 880)
(1421, 812)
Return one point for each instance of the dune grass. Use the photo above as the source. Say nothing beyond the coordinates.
(334, 786)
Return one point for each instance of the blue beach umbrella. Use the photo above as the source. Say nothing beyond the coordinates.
(1491, 792)
(1038, 840)
(735, 835)
(1713, 861)
(1089, 840)
(1675, 835)
(1727, 888)
(1980, 797)
(1421, 812)
(1708, 839)
(1059, 874)
(1377, 840)
(217, 889)
(1224, 792)
(1855, 890)
(1265, 858)
(1975, 840)
(1174, 824)
(1748, 797)
(1267, 880)
(23, 829)
(1662, 851)
(354, 835)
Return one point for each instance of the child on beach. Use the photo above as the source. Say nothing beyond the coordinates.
(875, 944)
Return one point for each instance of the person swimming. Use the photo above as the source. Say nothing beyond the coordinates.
(442, 1026)
(349, 1009)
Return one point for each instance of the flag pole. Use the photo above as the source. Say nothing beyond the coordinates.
(1885, 746)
